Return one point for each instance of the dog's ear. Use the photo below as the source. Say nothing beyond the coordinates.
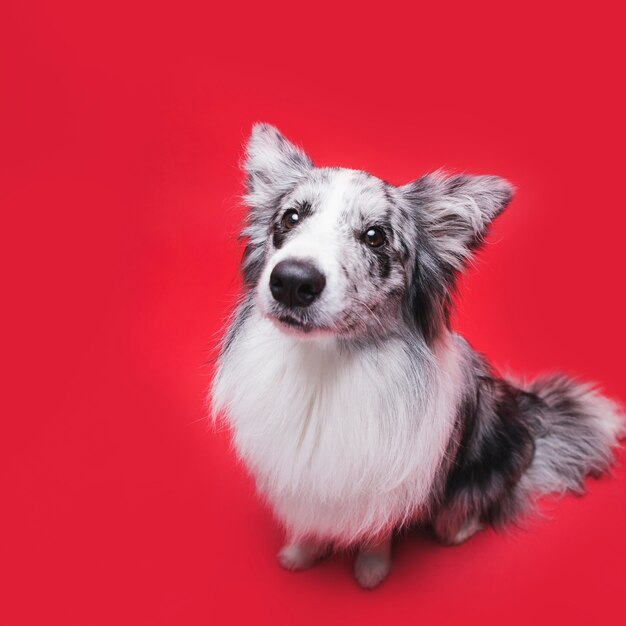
(456, 211)
(273, 165)
(452, 216)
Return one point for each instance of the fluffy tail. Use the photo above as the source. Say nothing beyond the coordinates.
(577, 435)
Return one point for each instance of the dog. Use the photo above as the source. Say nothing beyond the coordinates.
(355, 406)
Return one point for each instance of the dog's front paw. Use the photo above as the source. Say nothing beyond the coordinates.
(299, 556)
(370, 569)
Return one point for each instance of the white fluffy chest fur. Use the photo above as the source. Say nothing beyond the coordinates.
(344, 443)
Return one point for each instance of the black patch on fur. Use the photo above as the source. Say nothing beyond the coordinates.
(429, 297)
(281, 233)
(384, 263)
(251, 265)
(278, 238)
(498, 427)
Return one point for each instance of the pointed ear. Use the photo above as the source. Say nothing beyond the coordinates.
(455, 212)
(452, 216)
(273, 165)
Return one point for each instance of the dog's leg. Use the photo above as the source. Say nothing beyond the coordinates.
(468, 530)
(299, 555)
(373, 562)
(454, 532)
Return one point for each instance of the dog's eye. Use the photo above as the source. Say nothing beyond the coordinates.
(374, 237)
(290, 219)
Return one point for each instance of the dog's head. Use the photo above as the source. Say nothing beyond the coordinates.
(341, 252)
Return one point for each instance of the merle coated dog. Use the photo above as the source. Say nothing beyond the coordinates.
(352, 402)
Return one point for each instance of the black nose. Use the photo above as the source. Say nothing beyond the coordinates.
(296, 283)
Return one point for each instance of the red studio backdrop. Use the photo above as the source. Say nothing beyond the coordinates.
(121, 129)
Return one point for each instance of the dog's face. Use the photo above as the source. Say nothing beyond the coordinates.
(334, 259)
(341, 252)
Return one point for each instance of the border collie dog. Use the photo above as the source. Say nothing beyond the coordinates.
(350, 399)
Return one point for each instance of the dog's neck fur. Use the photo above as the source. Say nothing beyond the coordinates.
(343, 438)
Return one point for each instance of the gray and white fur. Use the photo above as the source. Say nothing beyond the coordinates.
(352, 402)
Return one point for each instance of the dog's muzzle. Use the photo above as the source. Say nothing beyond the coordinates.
(296, 283)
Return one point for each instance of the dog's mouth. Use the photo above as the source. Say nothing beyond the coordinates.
(294, 323)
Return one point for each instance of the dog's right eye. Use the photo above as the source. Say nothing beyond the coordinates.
(290, 219)
(374, 237)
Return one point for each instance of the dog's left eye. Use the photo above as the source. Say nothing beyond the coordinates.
(374, 237)
(290, 219)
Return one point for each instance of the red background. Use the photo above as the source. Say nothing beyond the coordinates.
(121, 129)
